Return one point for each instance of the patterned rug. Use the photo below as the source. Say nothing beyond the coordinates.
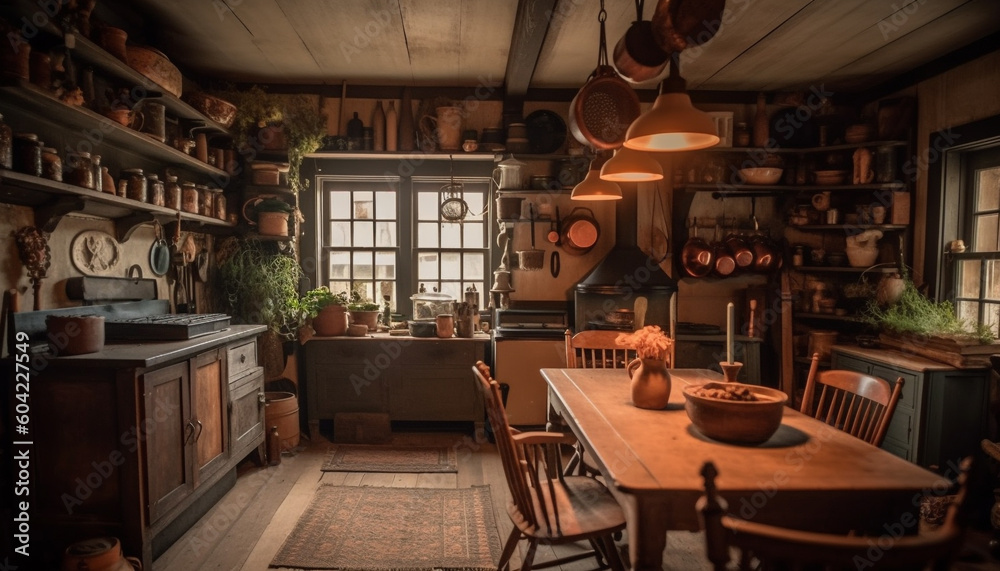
(376, 529)
(344, 458)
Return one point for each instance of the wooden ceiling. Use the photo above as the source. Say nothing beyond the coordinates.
(770, 45)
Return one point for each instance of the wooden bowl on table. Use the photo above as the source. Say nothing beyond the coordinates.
(739, 421)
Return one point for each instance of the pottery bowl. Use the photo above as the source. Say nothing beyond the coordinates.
(761, 175)
(744, 422)
(827, 178)
(423, 328)
(155, 66)
(218, 110)
(75, 334)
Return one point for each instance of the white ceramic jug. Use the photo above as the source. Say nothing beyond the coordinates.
(509, 174)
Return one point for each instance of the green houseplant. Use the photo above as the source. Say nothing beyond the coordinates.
(326, 310)
(363, 309)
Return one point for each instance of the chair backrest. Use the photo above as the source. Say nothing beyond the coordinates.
(596, 349)
(532, 465)
(783, 548)
(859, 404)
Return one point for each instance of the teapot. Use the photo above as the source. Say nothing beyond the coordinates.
(509, 174)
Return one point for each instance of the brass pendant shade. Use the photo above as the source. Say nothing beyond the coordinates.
(629, 165)
(673, 123)
(593, 188)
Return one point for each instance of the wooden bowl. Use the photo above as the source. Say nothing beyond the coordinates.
(155, 66)
(218, 110)
(831, 177)
(761, 175)
(744, 422)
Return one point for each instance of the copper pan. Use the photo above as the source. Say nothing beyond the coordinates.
(697, 257)
(680, 24)
(637, 56)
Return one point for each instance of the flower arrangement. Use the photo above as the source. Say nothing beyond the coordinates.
(650, 342)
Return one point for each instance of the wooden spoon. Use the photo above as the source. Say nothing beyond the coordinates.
(640, 307)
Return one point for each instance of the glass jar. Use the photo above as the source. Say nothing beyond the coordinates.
(885, 164)
(157, 195)
(206, 205)
(95, 162)
(172, 193)
(189, 198)
(220, 205)
(6, 141)
(136, 187)
(27, 154)
(51, 164)
(81, 170)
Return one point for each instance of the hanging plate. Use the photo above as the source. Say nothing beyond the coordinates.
(96, 253)
(546, 131)
(159, 257)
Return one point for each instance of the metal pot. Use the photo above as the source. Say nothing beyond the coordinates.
(680, 24)
(579, 231)
(603, 109)
(697, 257)
(725, 262)
(533, 259)
(742, 254)
(637, 56)
(509, 174)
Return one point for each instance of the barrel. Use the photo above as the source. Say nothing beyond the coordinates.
(281, 409)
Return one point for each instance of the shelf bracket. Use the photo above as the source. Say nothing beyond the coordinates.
(124, 227)
(47, 216)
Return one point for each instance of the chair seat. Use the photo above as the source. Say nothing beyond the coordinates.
(586, 507)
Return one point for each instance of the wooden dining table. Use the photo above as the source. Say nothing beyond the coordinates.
(808, 475)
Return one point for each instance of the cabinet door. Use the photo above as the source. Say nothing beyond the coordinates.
(210, 403)
(347, 376)
(167, 429)
(246, 419)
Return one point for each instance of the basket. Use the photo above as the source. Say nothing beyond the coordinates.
(530, 260)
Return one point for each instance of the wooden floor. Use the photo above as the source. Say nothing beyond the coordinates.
(246, 528)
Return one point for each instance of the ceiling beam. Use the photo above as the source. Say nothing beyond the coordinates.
(530, 26)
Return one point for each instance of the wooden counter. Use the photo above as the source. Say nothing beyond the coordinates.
(407, 378)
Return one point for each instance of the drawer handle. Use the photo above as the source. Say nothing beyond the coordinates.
(201, 427)
(243, 358)
(188, 432)
(261, 398)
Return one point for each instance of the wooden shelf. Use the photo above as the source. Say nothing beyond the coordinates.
(52, 200)
(736, 189)
(828, 317)
(878, 269)
(25, 97)
(850, 229)
(803, 150)
(91, 53)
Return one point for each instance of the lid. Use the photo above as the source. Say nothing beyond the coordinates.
(49, 150)
(511, 163)
(153, 177)
(133, 171)
(431, 296)
(188, 183)
(81, 154)
(171, 178)
(28, 136)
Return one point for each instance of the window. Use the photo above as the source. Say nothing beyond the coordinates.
(977, 272)
(384, 234)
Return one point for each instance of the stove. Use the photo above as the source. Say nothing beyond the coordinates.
(166, 327)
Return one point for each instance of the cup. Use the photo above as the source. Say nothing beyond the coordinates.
(832, 216)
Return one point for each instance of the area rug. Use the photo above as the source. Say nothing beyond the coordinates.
(343, 458)
(375, 529)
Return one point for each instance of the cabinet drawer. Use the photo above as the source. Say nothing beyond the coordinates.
(242, 358)
(440, 353)
(908, 396)
(246, 411)
(901, 428)
(851, 364)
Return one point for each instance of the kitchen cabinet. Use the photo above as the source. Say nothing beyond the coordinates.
(407, 378)
(942, 411)
(138, 440)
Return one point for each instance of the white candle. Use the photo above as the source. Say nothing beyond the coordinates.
(730, 310)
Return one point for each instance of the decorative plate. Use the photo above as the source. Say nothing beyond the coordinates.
(96, 253)
(546, 131)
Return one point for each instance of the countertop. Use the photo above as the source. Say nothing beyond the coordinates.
(381, 336)
(117, 354)
(895, 358)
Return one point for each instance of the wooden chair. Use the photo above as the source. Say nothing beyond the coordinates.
(859, 404)
(547, 507)
(763, 546)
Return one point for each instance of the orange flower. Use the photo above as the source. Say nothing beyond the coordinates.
(650, 342)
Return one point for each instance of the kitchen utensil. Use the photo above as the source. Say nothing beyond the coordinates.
(659, 244)
(201, 261)
(532, 259)
(555, 263)
(546, 131)
(454, 207)
(640, 307)
(509, 174)
(33, 250)
(79, 334)
(725, 264)
(740, 250)
(761, 175)
(579, 231)
(680, 24)
(765, 255)
(509, 207)
(606, 105)
(159, 253)
(697, 257)
(155, 66)
(637, 56)
(216, 109)
(553, 236)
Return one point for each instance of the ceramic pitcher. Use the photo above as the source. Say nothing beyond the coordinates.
(447, 126)
(650, 383)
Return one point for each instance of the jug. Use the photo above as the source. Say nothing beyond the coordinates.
(509, 174)
(447, 126)
(153, 119)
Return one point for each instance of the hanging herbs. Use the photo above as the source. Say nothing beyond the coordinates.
(305, 129)
(259, 286)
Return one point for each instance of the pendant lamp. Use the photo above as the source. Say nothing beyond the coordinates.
(630, 165)
(593, 188)
(673, 123)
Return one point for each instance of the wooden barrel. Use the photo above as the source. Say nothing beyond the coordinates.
(281, 409)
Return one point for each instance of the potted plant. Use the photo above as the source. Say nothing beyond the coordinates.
(326, 309)
(363, 309)
(271, 215)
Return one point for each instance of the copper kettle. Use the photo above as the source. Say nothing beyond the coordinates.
(697, 256)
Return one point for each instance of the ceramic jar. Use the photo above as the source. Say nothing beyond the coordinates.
(135, 184)
(220, 205)
(27, 154)
(51, 164)
(189, 198)
(95, 165)
(206, 204)
(650, 383)
(445, 325)
(107, 183)
(82, 170)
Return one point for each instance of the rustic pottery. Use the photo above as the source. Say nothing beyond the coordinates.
(331, 321)
(744, 422)
(366, 318)
(650, 383)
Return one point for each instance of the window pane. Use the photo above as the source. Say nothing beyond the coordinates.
(475, 202)
(362, 265)
(427, 266)
(340, 265)
(967, 311)
(386, 234)
(339, 236)
(992, 279)
(991, 316)
(451, 266)
(988, 189)
(986, 233)
(363, 237)
(452, 288)
(339, 286)
(968, 278)
(340, 205)
(474, 235)
(428, 204)
(472, 265)
(451, 235)
(385, 265)
(385, 205)
(427, 235)
(364, 205)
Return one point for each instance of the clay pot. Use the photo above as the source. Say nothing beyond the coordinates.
(75, 334)
(218, 110)
(113, 41)
(650, 383)
(155, 66)
(331, 321)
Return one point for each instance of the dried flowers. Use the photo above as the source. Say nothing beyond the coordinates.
(650, 342)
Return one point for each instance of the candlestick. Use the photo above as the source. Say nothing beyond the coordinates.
(730, 310)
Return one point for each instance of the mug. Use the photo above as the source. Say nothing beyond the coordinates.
(126, 118)
(153, 119)
(821, 201)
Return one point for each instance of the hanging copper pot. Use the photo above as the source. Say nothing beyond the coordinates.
(681, 24)
(697, 257)
(637, 56)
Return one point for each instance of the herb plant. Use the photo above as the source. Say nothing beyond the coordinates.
(916, 314)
